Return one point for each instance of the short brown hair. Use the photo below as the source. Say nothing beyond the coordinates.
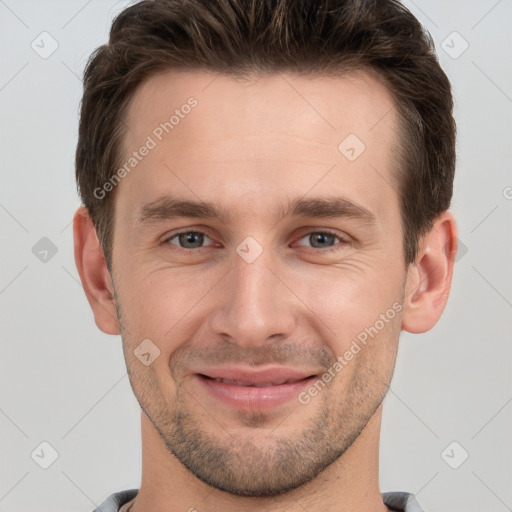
(245, 37)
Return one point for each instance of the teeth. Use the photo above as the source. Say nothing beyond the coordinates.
(257, 385)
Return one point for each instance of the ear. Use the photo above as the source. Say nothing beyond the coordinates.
(93, 271)
(429, 278)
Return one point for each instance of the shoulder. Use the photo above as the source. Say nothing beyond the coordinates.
(116, 500)
(401, 501)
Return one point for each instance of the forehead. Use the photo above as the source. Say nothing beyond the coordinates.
(267, 132)
(355, 101)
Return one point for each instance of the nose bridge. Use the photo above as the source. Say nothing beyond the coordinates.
(254, 304)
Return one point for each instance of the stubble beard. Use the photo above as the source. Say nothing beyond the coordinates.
(256, 461)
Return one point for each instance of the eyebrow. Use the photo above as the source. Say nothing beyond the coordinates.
(167, 207)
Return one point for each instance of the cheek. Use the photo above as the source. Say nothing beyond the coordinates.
(352, 299)
(160, 302)
(365, 362)
(168, 303)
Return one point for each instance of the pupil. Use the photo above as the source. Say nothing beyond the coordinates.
(321, 238)
(191, 240)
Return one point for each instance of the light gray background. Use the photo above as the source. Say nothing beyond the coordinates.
(64, 382)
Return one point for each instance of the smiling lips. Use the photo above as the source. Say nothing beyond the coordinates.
(249, 389)
(255, 384)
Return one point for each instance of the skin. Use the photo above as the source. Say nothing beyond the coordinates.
(248, 147)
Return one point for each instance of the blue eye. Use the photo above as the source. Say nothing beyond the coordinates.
(318, 241)
(189, 239)
(324, 241)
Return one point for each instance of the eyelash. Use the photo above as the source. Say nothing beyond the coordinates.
(314, 249)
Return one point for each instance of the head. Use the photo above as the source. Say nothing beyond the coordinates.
(264, 184)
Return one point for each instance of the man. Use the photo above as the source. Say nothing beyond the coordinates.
(266, 188)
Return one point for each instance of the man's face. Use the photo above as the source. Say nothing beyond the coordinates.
(208, 301)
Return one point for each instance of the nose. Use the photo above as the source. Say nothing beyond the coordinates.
(253, 305)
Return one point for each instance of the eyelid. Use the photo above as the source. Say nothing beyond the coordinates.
(167, 238)
(342, 240)
(204, 230)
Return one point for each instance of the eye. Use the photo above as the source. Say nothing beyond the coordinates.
(323, 241)
(188, 239)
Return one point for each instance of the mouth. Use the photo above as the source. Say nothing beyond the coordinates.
(257, 392)
(254, 384)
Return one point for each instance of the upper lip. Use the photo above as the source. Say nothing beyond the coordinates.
(275, 375)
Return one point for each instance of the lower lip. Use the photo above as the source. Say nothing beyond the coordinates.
(252, 397)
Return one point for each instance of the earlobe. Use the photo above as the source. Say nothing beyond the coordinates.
(429, 278)
(93, 271)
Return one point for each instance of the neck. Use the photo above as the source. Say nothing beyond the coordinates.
(350, 483)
